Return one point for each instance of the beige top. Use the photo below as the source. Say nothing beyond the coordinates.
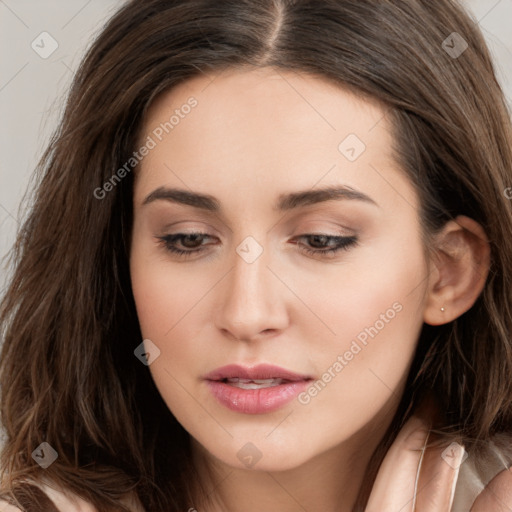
(489, 479)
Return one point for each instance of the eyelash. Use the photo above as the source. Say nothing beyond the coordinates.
(344, 244)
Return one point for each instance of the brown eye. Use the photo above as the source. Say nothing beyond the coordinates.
(326, 245)
(191, 243)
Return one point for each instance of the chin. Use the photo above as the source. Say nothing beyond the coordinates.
(260, 456)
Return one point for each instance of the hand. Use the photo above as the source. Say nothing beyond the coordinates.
(412, 478)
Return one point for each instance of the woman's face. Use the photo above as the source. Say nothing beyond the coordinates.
(266, 288)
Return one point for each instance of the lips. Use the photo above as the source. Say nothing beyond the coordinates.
(255, 390)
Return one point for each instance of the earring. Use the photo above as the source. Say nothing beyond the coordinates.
(442, 309)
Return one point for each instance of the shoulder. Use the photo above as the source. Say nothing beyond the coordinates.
(5, 507)
(63, 501)
(66, 501)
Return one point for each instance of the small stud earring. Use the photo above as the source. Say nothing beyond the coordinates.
(442, 309)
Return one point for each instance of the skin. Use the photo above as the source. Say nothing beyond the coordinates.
(254, 135)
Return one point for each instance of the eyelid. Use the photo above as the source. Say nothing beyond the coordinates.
(176, 227)
(333, 231)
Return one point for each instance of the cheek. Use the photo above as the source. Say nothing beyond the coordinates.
(384, 275)
(171, 308)
(166, 304)
(163, 294)
(374, 306)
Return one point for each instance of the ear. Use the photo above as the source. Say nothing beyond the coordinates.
(460, 266)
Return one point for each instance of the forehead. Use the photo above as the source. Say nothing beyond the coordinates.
(266, 128)
(275, 99)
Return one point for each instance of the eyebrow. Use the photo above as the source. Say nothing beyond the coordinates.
(285, 202)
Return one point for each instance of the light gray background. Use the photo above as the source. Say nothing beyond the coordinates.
(32, 89)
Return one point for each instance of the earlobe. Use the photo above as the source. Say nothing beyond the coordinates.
(460, 268)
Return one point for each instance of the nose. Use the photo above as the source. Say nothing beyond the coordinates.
(252, 299)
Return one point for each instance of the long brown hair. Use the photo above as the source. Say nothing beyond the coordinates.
(69, 326)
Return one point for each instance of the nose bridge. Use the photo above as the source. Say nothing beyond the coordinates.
(249, 269)
(250, 300)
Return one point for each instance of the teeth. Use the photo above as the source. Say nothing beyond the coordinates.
(254, 383)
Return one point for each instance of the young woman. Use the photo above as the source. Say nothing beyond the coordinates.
(268, 266)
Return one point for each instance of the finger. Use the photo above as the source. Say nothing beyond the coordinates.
(395, 485)
(438, 478)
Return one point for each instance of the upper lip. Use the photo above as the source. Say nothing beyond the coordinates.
(260, 371)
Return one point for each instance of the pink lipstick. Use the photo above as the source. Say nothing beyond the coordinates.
(257, 389)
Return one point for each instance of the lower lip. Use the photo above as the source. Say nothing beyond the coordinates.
(256, 401)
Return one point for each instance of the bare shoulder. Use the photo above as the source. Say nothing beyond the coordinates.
(66, 501)
(5, 507)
